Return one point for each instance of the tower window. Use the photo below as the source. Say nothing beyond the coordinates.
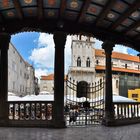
(88, 62)
(78, 62)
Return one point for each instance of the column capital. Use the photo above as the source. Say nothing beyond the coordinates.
(108, 46)
(4, 40)
(59, 38)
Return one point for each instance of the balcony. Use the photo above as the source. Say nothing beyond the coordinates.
(81, 69)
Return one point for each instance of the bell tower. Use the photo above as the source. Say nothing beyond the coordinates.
(82, 59)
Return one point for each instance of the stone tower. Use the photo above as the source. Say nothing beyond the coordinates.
(82, 59)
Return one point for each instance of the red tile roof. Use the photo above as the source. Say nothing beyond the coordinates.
(118, 69)
(50, 77)
(118, 55)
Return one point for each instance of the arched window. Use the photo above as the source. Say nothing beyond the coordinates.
(97, 62)
(78, 62)
(88, 62)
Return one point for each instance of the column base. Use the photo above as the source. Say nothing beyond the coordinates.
(3, 122)
(59, 124)
(108, 120)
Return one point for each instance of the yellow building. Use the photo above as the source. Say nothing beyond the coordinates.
(134, 94)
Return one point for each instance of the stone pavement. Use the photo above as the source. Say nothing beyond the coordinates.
(131, 132)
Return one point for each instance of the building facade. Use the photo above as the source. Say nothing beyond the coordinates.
(125, 71)
(83, 59)
(20, 74)
(47, 83)
(88, 64)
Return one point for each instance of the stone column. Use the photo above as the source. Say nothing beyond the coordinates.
(4, 45)
(109, 109)
(58, 109)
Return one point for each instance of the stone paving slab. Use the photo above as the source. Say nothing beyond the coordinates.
(131, 132)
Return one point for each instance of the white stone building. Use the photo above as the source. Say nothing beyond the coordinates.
(125, 71)
(20, 74)
(47, 83)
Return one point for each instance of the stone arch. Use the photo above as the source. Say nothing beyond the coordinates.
(82, 89)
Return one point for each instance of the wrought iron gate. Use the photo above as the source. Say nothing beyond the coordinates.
(84, 102)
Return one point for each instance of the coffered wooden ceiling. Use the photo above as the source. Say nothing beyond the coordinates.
(116, 20)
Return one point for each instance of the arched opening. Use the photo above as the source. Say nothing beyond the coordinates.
(78, 62)
(31, 59)
(88, 62)
(82, 89)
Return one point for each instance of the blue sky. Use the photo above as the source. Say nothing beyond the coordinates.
(24, 43)
(38, 50)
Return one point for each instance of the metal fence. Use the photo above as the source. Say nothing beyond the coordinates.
(84, 102)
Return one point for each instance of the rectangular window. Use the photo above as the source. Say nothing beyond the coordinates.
(20, 72)
(13, 66)
(126, 66)
(117, 84)
(134, 95)
(24, 75)
(20, 60)
(112, 64)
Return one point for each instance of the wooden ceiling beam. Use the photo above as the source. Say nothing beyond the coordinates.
(62, 8)
(131, 27)
(40, 9)
(83, 11)
(105, 11)
(126, 14)
(18, 8)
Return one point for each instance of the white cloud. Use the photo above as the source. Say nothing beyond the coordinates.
(121, 49)
(43, 55)
(117, 48)
(39, 72)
